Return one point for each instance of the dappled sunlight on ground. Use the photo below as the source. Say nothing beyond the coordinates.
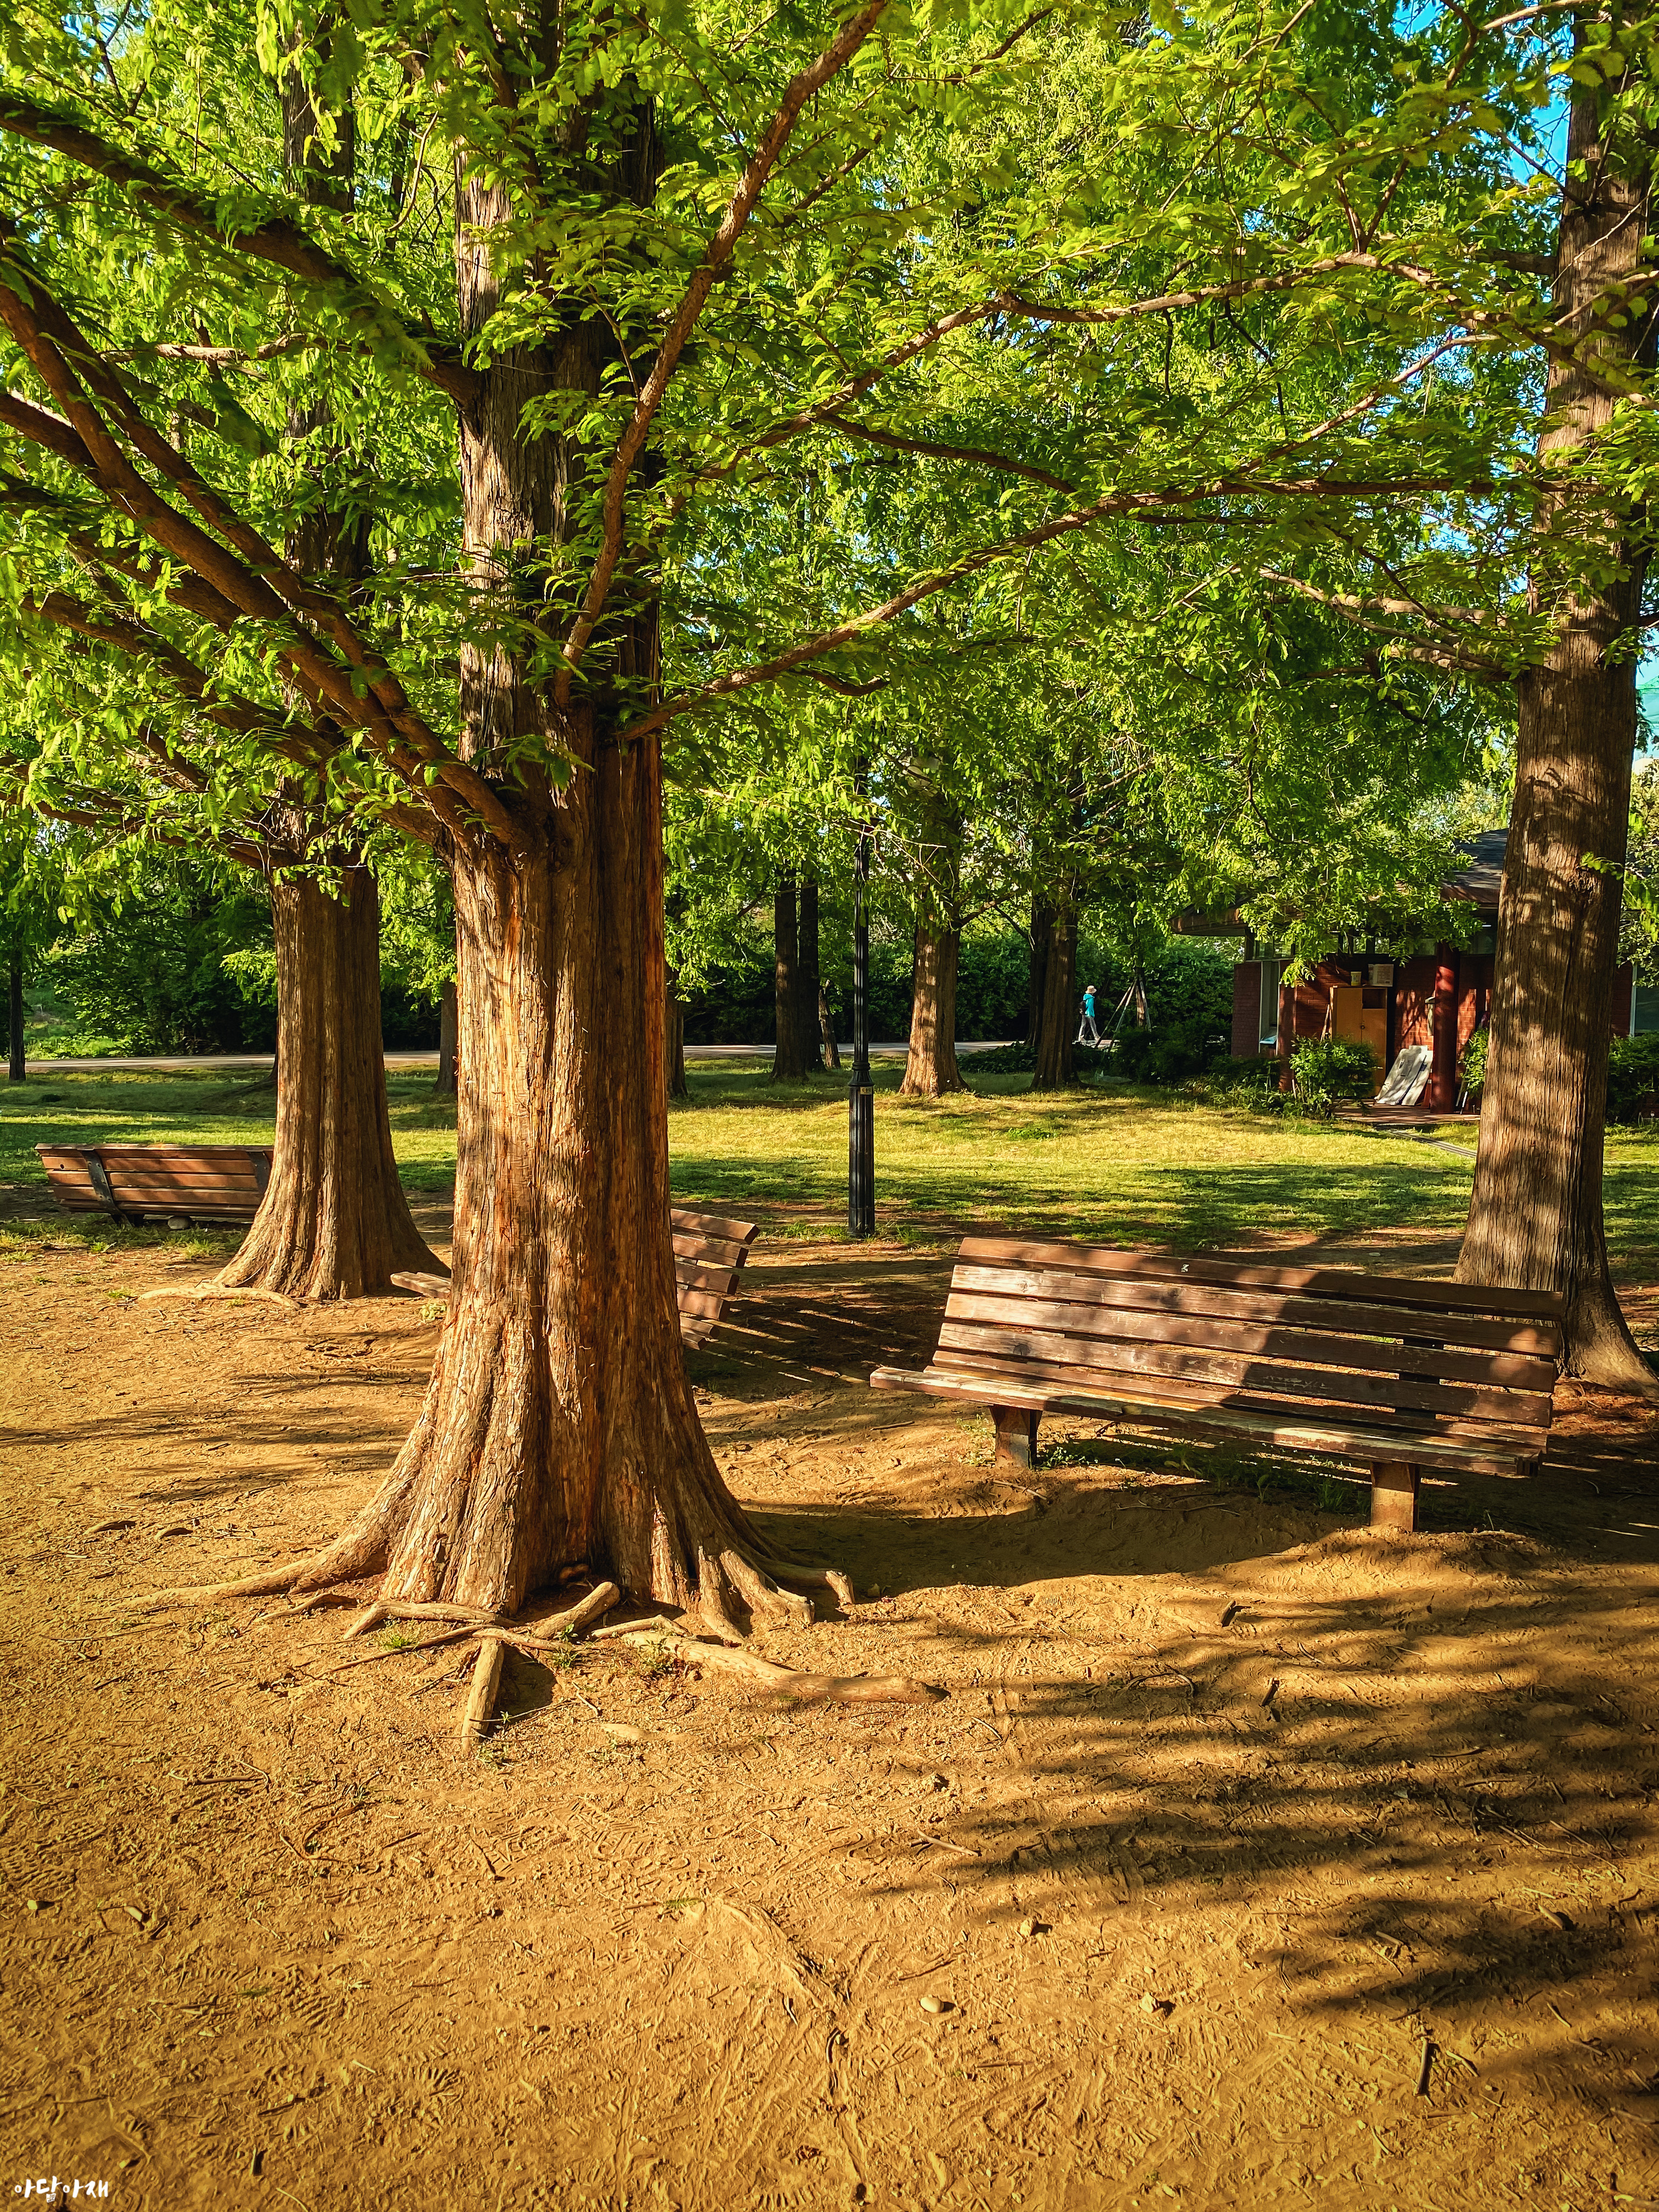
(1232, 1811)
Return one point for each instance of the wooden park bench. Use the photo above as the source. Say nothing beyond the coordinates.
(708, 1251)
(131, 1182)
(1395, 1374)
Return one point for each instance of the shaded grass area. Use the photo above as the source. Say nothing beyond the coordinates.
(1108, 1164)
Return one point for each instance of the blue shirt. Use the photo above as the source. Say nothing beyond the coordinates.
(1089, 1004)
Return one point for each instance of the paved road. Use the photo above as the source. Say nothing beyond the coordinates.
(232, 1063)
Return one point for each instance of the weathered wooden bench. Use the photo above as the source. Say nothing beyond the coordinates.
(130, 1182)
(708, 1251)
(1392, 1373)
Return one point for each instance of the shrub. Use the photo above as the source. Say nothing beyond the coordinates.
(1633, 1077)
(1472, 1067)
(1330, 1070)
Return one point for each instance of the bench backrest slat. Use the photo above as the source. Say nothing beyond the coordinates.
(1399, 1351)
(708, 1251)
(1336, 1283)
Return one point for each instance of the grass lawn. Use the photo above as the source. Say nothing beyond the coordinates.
(1121, 1166)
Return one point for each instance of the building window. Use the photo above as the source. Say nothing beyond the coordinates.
(1644, 1010)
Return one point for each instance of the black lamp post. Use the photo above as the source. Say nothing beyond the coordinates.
(861, 1096)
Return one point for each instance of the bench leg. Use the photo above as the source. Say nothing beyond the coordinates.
(1017, 1432)
(1394, 1495)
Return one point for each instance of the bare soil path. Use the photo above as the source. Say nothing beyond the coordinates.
(1232, 1811)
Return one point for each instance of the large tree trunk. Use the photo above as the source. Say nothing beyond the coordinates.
(1056, 1029)
(788, 1065)
(806, 991)
(334, 1223)
(558, 1425)
(930, 1067)
(445, 1087)
(1535, 1218)
(18, 1068)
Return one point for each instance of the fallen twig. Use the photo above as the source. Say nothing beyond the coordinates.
(416, 1609)
(215, 1290)
(399, 1650)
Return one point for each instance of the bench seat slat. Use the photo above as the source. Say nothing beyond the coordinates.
(1287, 1432)
(1110, 1326)
(978, 1344)
(1405, 1424)
(1287, 1308)
(1433, 1297)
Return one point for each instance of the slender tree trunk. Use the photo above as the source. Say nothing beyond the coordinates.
(335, 1222)
(674, 1041)
(18, 1070)
(445, 1086)
(1535, 1218)
(788, 1065)
(558, 1425)
(1056, 1027)
(826, 1030)
(1042, 930)
(930, 1067)
(806, 991)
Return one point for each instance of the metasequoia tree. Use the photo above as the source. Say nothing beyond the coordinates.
(662, 301)
(334, 1222)
(1535, 1216)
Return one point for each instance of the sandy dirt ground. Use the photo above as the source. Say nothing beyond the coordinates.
(1234, 1811)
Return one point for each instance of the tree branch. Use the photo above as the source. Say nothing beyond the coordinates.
(374, 703)
(977, 455)
(802, 88)
(278, 239)
(1151, 506)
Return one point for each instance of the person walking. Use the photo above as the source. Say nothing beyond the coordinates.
(1087, 1033)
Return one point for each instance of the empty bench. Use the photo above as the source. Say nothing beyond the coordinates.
(708, 1252)
(131, 1182)
(1390, 1372)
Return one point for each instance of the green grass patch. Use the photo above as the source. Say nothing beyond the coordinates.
(1111, 1166)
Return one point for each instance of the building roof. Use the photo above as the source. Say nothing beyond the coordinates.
(1480, 880)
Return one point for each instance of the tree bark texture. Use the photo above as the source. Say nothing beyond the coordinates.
(445, 1086)
(1056, 1027)
(1535, 1216)
(807, 991)
(18, 1068)
(334, 1223)
(789, 1063)
(930, 1066)
(558, 1425)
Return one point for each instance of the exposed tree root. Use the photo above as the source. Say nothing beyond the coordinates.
(481, 1699)
(784, 1682)
(218, 1290)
